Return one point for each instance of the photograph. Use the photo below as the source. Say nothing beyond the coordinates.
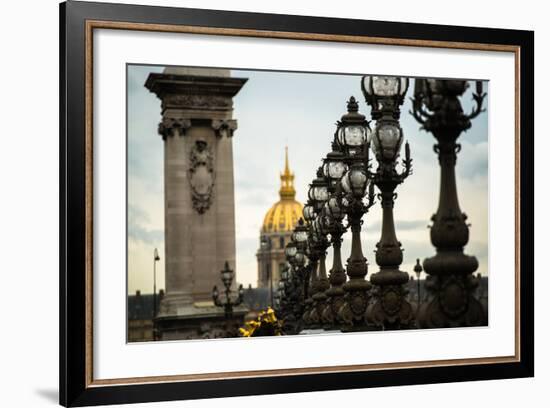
(258, 203)
(277, 203)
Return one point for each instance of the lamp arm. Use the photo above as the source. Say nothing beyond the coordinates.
(216, 297)
(240, 296)
(407, 164)
(419, 113)
(371, 197)
(478, 108)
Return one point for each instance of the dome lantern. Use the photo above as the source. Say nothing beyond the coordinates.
(284, 214)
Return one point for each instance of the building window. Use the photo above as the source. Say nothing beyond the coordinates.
(282, 242)
(266, 272)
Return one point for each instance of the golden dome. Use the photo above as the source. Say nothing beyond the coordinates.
(285, 213)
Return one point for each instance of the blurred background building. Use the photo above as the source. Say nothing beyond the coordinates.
(277, 227)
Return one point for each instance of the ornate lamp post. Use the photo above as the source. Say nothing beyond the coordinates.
(317, 245)
(279, 297)
(294, 290)
(265, 244)
(310, 283)
(351, 136)
(282, 294)
(390, 309)
(334, 168)
(450, 281)
(295, 252)
(227, 276)
(299, 240)
(319, 298)
(418, 271)
(156, 258)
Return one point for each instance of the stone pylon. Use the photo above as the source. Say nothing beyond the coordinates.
(197, 127)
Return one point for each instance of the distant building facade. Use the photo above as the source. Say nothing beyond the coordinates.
(276, 230)
(140, 316)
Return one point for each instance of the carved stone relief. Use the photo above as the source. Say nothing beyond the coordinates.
(190, 101)
(167, 126)
(201, 176)
(224, 127)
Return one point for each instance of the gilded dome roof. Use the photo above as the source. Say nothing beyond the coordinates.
(284, 214)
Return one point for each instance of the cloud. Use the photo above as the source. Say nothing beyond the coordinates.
(138, 231)
(473, 160)
(402, 225)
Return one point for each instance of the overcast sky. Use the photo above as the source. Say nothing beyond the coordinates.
(298, 110)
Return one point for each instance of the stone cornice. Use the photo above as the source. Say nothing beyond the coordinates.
(189, 86)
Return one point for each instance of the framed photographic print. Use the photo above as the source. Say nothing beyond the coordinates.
(256, 204)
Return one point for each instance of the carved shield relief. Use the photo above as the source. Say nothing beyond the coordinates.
(201, 176)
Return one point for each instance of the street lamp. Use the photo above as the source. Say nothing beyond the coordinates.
(449, 273)
(418, 270)
(351, 138)
(265, 244)
(334, 167)
(292, 303)
(318, 192)
(299, 235)
(319, 244)
(385, 94)
(352, 132)
(156, 258)
(390, 309)
(227, 276)
(308, 212)
(318, 195)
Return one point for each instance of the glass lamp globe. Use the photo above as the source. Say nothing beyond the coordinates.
(308, 212)
(310, 193)
(227, 275)
(320, 193)
(291, 250)
(334, 169)
(300, 236)
(284, 274)
(300, 259)
(318, 226)
(387, 141)
(404, 86)
(346, 185)
(385, 86)
(333, 207)
(358, 181)
(353, 137)
(334, 166)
